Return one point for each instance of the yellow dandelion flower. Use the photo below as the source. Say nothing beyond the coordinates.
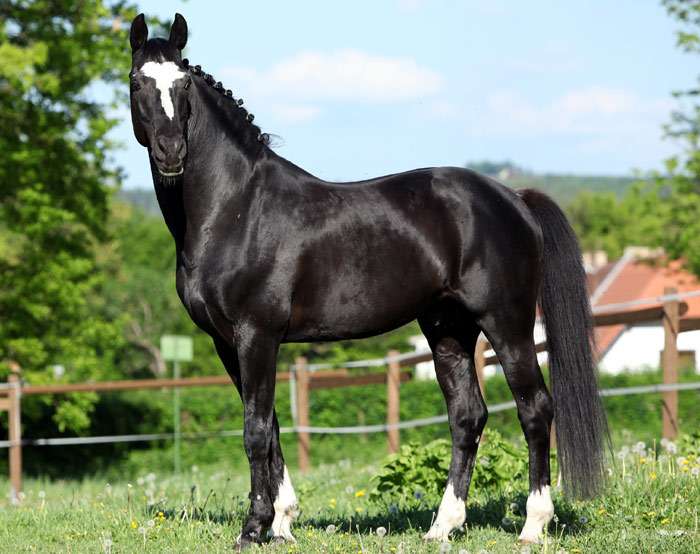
(651, 514)
(360, 493)
(491, 543)
(134, 524)
(652, 476)
(601, 511)
(359, 509)
(642, 461)
(665, 521)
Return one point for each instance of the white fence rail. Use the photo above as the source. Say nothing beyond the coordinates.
(350, 430)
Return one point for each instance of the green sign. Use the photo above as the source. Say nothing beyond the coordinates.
(176, 348)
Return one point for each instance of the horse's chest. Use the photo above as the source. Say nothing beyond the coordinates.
(192, 291)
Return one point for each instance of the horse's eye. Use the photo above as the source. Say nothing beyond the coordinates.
(135, 86)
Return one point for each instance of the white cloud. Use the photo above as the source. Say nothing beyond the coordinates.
(442, 109)
(341, 75)
(598, 100)
(589, 110)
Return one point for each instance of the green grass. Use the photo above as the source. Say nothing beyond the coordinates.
(651, 505)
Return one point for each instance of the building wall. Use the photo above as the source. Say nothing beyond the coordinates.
(639, 348)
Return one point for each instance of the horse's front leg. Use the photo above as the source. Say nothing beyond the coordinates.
(257, 353)
(284, 497)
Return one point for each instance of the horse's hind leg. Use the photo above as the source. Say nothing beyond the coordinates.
(452, 342)
(512, 339)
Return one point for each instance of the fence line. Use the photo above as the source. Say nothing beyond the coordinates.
(666, 297)
(344, 430)
(306, 377)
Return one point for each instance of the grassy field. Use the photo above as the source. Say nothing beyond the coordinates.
(651, 505)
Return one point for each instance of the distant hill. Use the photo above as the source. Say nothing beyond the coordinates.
(562, 187)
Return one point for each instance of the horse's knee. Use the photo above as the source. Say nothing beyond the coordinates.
(256, 439)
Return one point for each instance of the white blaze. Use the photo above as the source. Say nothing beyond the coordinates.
(285, 509)
(540, 511)
(451, 515)
(164, 74)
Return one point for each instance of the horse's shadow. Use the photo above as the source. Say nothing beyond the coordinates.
(495, 513)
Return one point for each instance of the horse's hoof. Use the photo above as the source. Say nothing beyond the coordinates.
(525, 539)
(245, 543)
(437, 535)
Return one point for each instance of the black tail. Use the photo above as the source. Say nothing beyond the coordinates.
(579, 418)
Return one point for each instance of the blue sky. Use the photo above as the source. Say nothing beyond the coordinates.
(358, 89)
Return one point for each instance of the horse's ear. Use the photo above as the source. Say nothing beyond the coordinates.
(139, 32)
(178, 32)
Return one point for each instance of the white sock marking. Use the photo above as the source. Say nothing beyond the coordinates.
(540, 511)
(165, 74)
(285, 509)
(451, 515)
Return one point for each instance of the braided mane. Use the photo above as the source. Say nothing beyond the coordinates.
(237, 103)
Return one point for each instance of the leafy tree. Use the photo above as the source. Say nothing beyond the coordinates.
(55, 183)
(665, 210)
(492, 168)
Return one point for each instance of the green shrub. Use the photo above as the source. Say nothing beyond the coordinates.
(499, 463)
(689, 444)
(419, 472)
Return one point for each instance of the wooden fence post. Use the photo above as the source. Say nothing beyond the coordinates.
(480, 362)
(670, 365)
(15, 432)
(393, 382)
(302, 386)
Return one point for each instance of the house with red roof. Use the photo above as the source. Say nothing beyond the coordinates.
(641, 273)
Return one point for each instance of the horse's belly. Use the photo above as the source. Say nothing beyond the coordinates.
(355, 306)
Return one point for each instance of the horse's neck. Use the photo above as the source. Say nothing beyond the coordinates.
(219, 165)
(172, 206)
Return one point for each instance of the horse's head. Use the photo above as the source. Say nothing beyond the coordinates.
(160, 104)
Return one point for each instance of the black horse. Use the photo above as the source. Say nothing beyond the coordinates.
(267, 253)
